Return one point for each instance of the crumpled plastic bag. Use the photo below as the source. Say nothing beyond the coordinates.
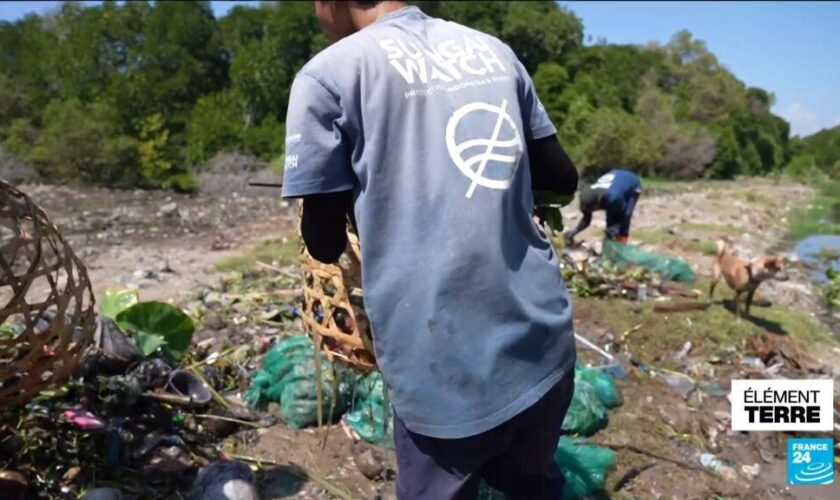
(371, 417)
(603, 384)
(288, 377)
(586, 414)
(584, 465)
(595, 391)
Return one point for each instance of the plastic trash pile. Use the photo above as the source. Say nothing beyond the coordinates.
(669, 268)
(144, 408)
(287, 378)
(584, 465)
(589, 275)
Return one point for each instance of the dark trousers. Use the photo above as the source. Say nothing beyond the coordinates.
(516, 457)
(624, 230)
(619, 217)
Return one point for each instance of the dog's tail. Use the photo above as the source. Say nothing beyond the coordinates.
(721, 247)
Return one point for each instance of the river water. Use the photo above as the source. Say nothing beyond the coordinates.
(811, 251)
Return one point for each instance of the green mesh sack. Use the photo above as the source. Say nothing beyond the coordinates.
(586, 414)
(371, 417)
(601, 382)
(584, 467)
(670, 268)
(299, 401)
(288, 377)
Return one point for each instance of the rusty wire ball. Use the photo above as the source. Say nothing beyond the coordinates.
(47, 302)
(333, 312)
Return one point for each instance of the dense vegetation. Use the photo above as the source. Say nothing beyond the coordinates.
(818, 151)
(140, 94)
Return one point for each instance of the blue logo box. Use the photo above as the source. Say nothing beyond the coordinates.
(810, 461)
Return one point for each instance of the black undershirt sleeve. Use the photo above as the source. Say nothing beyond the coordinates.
(551, 168)
(324, 224)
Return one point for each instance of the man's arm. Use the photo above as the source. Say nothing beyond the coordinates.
(324, 224)
(551, 168)
(585, 221)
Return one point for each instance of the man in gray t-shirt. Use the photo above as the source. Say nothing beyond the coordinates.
(431, 136)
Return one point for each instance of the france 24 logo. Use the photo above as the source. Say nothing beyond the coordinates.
(810, 461)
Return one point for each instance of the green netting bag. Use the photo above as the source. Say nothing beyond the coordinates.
(670, 268)
(586, 414)
(601, 382)
(583, 465)
(288, 377)
(299, 400)
(371, 417)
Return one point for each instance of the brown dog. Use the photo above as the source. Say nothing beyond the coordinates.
(744, 276)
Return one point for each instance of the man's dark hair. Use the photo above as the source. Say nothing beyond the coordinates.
(589, 200)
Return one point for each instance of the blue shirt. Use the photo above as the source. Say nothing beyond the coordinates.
(621, 191)
(426, 121)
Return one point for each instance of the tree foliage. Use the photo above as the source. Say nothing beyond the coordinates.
(818, 151)
(145, 93)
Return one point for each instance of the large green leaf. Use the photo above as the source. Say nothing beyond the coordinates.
(173, 328)
(116, 301)
(548, 205)
(149, 343)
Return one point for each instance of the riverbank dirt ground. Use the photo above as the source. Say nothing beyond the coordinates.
(171, 246)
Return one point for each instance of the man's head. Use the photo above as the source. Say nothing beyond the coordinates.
(343, 18)
(589, 200)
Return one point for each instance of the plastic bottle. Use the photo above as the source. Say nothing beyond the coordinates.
(714, 464)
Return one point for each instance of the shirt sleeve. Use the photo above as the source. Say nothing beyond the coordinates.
(317, 154)
(534, 117)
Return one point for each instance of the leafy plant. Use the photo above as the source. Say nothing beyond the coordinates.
(548, 207)
(9, 331)
(116, 301)
(832, 292)
(157, 325)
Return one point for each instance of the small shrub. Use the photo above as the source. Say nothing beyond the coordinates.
(15, 170)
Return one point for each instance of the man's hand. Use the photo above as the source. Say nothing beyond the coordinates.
(547, 209)
(569, 237)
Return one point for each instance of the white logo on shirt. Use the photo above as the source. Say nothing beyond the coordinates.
(448, 61)
(474, 164)
(291, 162)
(604, 182)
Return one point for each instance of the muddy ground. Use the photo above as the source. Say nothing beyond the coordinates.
(169, 246)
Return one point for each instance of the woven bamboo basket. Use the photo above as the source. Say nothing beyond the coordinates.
(333, 312)
(46, 298)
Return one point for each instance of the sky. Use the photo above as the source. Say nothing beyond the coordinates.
(791, 49)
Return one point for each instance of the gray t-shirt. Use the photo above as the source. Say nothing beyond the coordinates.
(426, 121)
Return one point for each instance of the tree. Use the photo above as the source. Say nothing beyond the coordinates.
(145, 93)
(687, 148)
(216, 124)
(550, 80)
(615, 138)
(537, 32)
(154, 138)
(82, 142)
(267, 60)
